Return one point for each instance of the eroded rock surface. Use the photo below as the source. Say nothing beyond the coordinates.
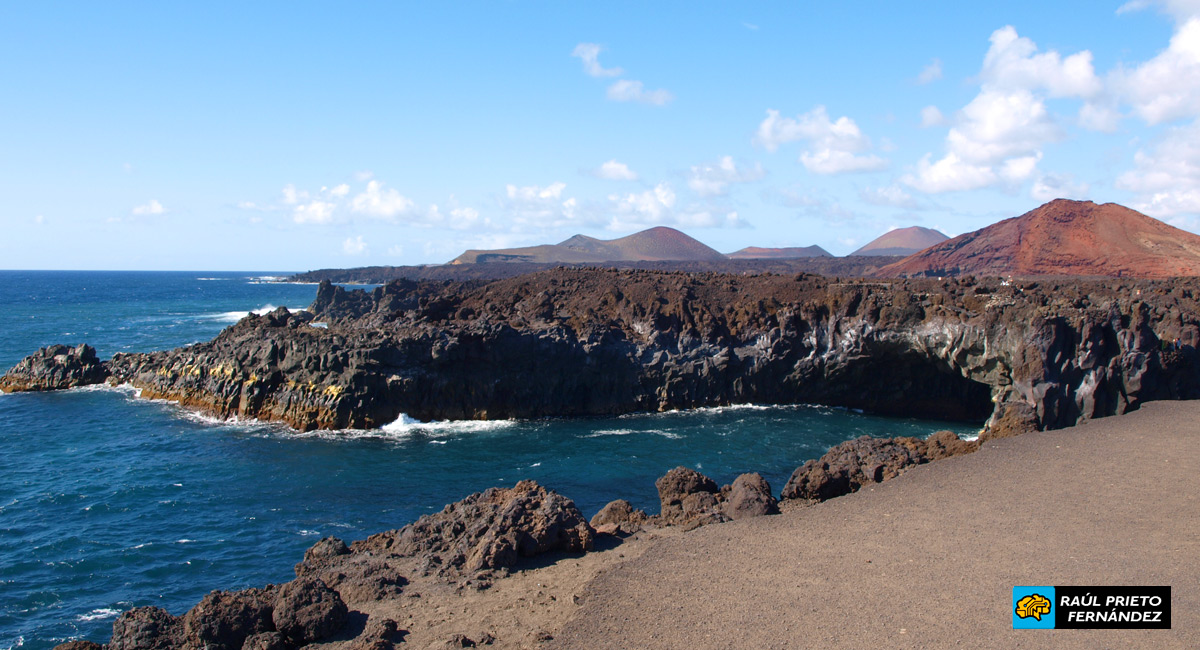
(690, 499)
(852, 464)
(54, 368)
(488, 530)
(567, 342)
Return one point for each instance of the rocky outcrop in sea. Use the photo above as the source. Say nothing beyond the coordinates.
(567, 342)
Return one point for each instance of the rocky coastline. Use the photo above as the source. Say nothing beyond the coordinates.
(1017, 355)
(469, 546)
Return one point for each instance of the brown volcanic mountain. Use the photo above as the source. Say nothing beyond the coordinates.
(756, 253)
(652, 245)
(1063, 238)
(902, 241)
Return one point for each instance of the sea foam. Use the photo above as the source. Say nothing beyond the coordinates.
(235, 316)
(99, 614)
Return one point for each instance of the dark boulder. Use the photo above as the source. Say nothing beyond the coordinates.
(749, 496)
(688, 498)
(54, 368)
(146, 628)
(267, 641)
(307, 610)
(492, 529)
(618, 517)
(381, 634)
(79, 645)
(222, 620)
(847, 467)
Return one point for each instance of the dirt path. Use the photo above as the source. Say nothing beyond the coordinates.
(929, 560)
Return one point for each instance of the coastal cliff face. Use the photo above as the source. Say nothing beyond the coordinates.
(598, 341)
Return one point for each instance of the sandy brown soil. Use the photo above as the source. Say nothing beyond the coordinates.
(929, 559)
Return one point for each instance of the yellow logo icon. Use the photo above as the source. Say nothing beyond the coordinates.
(1035, 605)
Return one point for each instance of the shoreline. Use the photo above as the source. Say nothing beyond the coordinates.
(674, 587)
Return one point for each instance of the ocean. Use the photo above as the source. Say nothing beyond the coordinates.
(109, 502)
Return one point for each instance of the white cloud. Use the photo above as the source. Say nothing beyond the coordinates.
(615, 171)
(338, 191)
(890, 196)
(457, 218)
(931, 73)
(998, 136)
(651, 206)
(292, 196)
(626, 90)
(540, 206)
(378, 201)
(1166, 87)
(931, 116)
(153, 207)
(1180, 10)
(1099, 117)
(319, 212)
(1058, 186)
(833, 146)
(950, 174)
(1016, 170)
(395, 250)
(354, 246)
(998, 125)
(40, 219)
(589, 53)
(1012, 63)
(714, 180)
(1167, 178)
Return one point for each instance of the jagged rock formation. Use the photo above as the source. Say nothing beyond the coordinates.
(1063, 237)
(53, 368)
(489, 530)
(847, 467)
(596, 341)
(691, 499)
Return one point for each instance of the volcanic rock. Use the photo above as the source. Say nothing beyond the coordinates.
(53, 368)
(852, 464)
(1063, 237)
(358, 578)
(223, 620)
(488, 530)
(306, 610)
(381, 634)
(618, 517)
(749, 496)
(267, 641)
(146, 628)
(79, 645)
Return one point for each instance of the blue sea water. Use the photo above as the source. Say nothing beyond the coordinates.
(109, 502)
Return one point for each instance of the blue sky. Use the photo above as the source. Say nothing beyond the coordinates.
(292, 136)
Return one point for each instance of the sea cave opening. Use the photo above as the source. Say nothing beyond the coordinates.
(906, 383)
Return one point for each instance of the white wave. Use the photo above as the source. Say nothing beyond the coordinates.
(235, 316)
(405, 426)
(144, 545)
(185, 541)
(265, 279)
(308, 533)
(20, 642)
(213, 279)
(626, 432)
(99, 614)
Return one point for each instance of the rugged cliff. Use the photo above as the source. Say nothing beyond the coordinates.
(600, 341)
